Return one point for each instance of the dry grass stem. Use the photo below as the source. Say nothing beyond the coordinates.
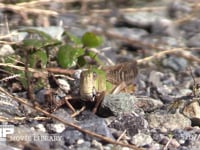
(22, 68)
(176, 51)
(121, 136)
(40, 2)
(122, 10)
(19, 9)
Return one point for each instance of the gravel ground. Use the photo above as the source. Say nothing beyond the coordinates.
(163, 112)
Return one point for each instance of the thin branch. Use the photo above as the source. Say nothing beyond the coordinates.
(176, 51)
(39, 2)
(130, 10)
(44, 71)
(122, 10)
(61, 71)
(121, 136)
(21, 68)
(29, 10)
(30, 92)
(14, 119)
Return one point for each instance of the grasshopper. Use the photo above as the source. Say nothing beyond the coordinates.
(94, 83)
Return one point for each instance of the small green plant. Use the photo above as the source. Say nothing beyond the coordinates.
(71, 55)
(90, 40)
(67, 56)
(34, 52)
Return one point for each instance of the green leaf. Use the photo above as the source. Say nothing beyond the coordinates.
(94, 56)
(40, 33)
(23, 80)
(32, 43)
(74, 39)
(90, 40)
(38, 57)
(67, 56)
(81, 61)
(46, 40)
(12, 59)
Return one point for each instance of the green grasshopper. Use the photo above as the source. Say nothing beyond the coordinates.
(94, 83)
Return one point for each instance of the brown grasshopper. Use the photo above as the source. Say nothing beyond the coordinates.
(94, 83)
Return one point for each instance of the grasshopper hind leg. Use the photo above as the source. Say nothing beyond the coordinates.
(99, 99)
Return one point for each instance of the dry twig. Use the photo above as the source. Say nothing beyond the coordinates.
(176, 51)
(21, 68)
(121, 136)
(40, 2)
(17, 8)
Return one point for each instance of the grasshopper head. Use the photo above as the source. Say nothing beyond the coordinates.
(92, 81)
(87, 88)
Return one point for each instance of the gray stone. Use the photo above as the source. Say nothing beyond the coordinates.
(167, 122)
(6, 50)
(40, 127)
(155, 78)
(190, 29)
(178, 9)
(183, 92)
(165, 42)
(87, 120)
(194, 41)
(64, 115)
(141, 139)
(122, 103)
(182, 135)
(148, 104)
(84, 146)
(64, 85)
(132, 123)
(133, 33)
(56, 127)
(70, 136)
(175, 41)
(142, 19)
(97, 145)
(9, 107)
(116, 104)
(163, 27)
(175, 63)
